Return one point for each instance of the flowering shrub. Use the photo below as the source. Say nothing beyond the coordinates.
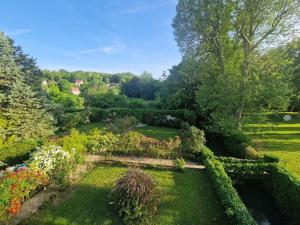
(17, 186)
(54, 162)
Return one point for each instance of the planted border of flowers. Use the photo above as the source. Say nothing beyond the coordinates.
(49, 164)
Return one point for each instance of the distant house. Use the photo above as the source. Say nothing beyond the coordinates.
(75, 91)
(44, 82)
(78, 83)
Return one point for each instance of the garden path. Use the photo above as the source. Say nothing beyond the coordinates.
(142, 161)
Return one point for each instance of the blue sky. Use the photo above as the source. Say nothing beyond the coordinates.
(98, 35)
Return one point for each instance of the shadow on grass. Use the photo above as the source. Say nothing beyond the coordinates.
(89, 205)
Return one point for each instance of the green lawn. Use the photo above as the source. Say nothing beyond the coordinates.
(187, 199)
(158, 132)
(279, 138)
(151, 131)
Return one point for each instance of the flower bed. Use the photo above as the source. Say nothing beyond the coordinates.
(17, 186)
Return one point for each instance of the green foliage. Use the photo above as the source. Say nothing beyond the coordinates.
(150, 116)
(284, 187)
(144, 87)
(233, 205)
(136, 197)
(23, 114)
(132, 143)
(17, 153)
(179, 164)
(16, 187)
(54, 162)
(77, 141)
(68, 121)
(286, 190)
(236, 74)
(193, 139)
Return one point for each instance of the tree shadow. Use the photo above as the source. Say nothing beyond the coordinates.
(88, 205)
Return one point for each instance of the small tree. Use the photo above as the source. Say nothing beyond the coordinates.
(135, 197)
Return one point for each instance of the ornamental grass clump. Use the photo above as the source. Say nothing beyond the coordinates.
(136, 197)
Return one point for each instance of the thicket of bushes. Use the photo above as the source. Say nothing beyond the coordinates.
(153, 117)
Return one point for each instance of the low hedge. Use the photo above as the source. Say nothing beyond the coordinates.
(285, 188)
(235, 209)
(17, 153)
(153, 117)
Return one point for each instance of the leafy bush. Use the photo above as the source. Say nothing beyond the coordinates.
(179, 164)
(193, 139)
(102, 143)
(136, 197)
(68, 121)
(53, 161)
(17, 153)
(16, 187)
(77, 141)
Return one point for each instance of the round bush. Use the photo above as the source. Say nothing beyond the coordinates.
(135, 197)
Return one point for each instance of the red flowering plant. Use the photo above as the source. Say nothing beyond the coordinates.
(17, 186)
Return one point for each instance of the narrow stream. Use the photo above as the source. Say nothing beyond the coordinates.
(261, 205)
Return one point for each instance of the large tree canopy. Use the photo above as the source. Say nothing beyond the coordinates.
(229, 40)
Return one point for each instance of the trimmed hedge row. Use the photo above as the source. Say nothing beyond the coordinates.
(149, 116)
(235, 209)
(284, 187)
(17, 153)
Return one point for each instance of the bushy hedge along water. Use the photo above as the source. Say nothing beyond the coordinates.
(236, 211)
(284, 187)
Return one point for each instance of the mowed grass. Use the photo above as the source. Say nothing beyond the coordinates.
(150, 131)
(279, 138)
(186, 199)
(158, 132)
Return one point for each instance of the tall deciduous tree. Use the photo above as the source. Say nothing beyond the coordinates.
(227, 39)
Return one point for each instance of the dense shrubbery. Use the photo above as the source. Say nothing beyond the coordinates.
(165, 118)
(17, 153)
(132, 143)
(235, 208)
(16, 187)
(193, 139)
(179, 164)
(136, 197)
(70, 120)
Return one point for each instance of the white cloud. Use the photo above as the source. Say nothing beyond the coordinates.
(108, 49)
(18, 32)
